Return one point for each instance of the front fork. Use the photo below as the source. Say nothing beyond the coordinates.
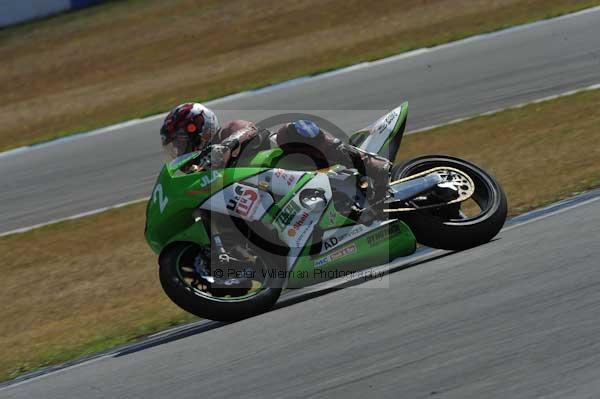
(225, 260)
(216, 239)
(203, 216)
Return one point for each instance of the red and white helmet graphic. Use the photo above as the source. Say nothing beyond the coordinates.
(188, 127)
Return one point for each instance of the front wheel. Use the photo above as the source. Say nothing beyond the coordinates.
(462, 225)
(190, 291)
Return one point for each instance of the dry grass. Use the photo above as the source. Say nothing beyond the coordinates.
(539, 153)
(78, 287)
(88, 284)
(131, 58)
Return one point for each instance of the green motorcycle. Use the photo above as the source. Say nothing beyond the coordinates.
(230, 240)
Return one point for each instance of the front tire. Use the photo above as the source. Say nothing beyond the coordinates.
(193, 301)
(444, 227)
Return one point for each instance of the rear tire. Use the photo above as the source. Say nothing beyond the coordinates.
(441, 227)
(215, 308)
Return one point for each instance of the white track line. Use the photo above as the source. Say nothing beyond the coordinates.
(305, 79)
(520, 105)
(552, 213)
(455, 121)
(54, 372)
(77, 216)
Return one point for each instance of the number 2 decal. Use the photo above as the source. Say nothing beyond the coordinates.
(159, 196)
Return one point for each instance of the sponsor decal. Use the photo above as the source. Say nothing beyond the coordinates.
(307, 229)
(289, 179)
(322, 261)
(244, 201)
(331, 216)
(286, 215)
(207, 180)
(330, 243)
(193, 193)
(353, 233)
(340, 253)
(383, 234)
(299, 223)
(389, 119)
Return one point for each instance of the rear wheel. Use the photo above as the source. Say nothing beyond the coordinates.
(194, 292)
(456, 226)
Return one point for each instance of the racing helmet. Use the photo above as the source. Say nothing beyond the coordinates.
(188, 127)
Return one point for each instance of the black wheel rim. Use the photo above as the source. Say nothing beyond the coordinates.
(485, 195)
(187, 275)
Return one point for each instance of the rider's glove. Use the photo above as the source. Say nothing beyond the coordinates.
(220, 155)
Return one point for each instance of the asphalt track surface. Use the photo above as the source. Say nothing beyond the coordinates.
(458, 80)
(515, 318)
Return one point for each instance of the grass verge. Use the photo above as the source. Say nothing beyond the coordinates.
(85, 285)
(127, 59)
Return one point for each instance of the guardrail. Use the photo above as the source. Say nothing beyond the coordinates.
(13, 12)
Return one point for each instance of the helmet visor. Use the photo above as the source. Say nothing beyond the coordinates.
(181, 144)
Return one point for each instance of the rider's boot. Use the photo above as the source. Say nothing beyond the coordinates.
(378, 170)
(375, 168)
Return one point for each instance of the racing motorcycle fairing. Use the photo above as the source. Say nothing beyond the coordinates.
(296, 205)
(384, 136)
(177, 195)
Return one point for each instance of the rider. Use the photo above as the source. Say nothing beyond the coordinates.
(193, 127)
